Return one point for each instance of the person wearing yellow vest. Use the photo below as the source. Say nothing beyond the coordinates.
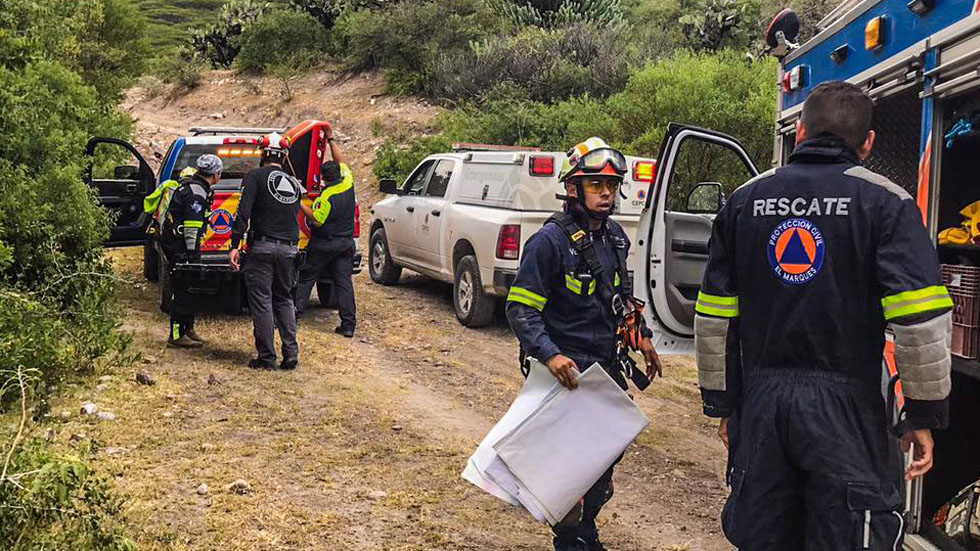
(331, 249)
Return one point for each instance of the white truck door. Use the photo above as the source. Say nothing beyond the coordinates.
(430, 216)
(697, 169)
(401, 229)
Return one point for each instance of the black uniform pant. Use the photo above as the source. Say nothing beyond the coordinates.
(333, 258)
(181, 316)
(270, 274)
(812, 466)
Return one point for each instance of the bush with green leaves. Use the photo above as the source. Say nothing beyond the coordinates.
(50, 500)
(712, 25)
(218, 42)
(101, 40)
(327, 11)
(407, 39)
(552, 14)
(283, 38)
(551, 65)
(396, 159)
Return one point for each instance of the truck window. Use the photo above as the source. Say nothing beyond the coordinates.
(440, 179)
(416, 182)
(701, 162)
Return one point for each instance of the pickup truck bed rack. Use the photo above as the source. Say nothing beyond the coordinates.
(215, 130)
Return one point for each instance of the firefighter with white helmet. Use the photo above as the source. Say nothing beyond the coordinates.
(267, 219)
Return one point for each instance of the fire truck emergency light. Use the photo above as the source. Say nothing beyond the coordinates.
(874, 33)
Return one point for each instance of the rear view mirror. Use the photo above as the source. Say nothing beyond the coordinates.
(126, 172)
(706, 198)
(389, 186)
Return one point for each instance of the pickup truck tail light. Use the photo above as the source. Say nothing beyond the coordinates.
(509, 242)
(644, 171)
(357, 221)
(542, 165)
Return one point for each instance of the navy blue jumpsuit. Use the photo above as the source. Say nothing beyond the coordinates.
(808, 265)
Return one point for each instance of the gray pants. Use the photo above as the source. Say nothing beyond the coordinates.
(270, 273)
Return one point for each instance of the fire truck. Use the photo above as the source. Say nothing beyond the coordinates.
(214, 286)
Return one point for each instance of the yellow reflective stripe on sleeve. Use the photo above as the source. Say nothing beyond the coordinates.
(193, 223)
(616, 280)
(528, 298)
(916, 302)
(322, 206)
(714, 305)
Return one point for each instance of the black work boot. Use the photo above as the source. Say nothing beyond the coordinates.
(288, 365)
(256, 363)
(194, 336)
(341, 330)
(184, 342)
(578, 544)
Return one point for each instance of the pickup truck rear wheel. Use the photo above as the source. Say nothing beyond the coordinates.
(166, 285)
(382, 267)
(473, 307)
(151, 264)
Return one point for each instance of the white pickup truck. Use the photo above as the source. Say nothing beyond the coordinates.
(463, 218)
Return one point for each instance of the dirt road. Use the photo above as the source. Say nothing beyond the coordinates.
(361, 448)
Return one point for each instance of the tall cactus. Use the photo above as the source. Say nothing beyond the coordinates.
(216, 43)
(561, 13)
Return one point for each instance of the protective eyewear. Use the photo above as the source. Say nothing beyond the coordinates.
(596, 160)
(596, 185)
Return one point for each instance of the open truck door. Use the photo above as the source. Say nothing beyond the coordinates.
(697, 170)
(121, 188)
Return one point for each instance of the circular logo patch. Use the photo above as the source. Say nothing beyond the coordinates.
(796, 250)
(283, 188)
(220, 221)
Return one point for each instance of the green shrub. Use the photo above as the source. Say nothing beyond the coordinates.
(282, 37)
(327, 11)
(550, 65)
(725, 91)
(407, 39)
(558, 13)
(396, 160)
(183, 69)
(218, 43)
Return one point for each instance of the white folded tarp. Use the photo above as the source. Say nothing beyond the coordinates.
(553, 444)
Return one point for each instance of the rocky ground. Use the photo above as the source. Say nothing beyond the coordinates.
(362, 447)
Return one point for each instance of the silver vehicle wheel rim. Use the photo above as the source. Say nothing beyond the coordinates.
(465, 294)
(379, 257)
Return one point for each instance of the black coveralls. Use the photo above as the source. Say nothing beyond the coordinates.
(331, 249)
(268, 211)
(808, 263)
(552, 311)
(188, 210)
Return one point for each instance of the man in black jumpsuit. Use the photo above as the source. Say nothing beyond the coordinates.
(557, 310)
(808, 264)
(331, 247)
(268, 213)
(188, 214)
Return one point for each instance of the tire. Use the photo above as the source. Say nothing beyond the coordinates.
(382, 267)
(473, 307)
(151, 262)
(166, 285)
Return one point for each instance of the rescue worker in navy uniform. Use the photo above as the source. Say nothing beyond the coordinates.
(331, 247)
(556, 305)
(808, 265)
(188, 213)
(268, 212)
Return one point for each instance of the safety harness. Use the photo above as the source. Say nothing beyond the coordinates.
(625, 308)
